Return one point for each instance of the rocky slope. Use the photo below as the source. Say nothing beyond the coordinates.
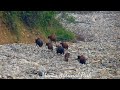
(101, 31)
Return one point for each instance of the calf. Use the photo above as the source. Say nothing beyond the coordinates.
(67, 55)
(50, 46)
(82, 59)
(39, 42)
(64, 45)
(52, 37)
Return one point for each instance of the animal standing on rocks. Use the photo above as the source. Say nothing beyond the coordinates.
(81, 59)
(59, 49)
(49, 45)
(52, 38)
(39, 42)
(67, 55)
(64, 45)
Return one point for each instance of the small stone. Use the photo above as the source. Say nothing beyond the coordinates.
(40, 73)
(9, 77)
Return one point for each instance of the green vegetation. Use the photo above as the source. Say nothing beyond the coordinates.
(11, 20)
(70, 19)
(43, 21)
(67, 17)
(36, 19)
(62, 34)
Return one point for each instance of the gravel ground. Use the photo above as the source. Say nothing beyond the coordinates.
(101, 47)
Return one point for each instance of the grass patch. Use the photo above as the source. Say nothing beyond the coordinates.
(11, 20)
(61, 33)
(68, 18)
(43, 21)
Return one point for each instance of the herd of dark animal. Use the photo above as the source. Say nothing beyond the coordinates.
(59, 48)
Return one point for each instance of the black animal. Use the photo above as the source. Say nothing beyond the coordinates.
(49, 45)
(82, 59)
(39, 42)
(59, 49)
(67, 55)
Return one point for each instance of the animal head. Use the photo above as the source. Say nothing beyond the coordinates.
(47, 43)
(48, 36)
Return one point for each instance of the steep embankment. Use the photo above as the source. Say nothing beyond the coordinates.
(25, 26)
(25, 35)
(5, 35)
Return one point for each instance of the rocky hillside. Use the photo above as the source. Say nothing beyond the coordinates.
(101, 31)
(26, 36)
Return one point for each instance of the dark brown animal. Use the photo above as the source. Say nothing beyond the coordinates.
(66, 56)
(82, 59)
(64, 45)
(49, 45)
(52, 37)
